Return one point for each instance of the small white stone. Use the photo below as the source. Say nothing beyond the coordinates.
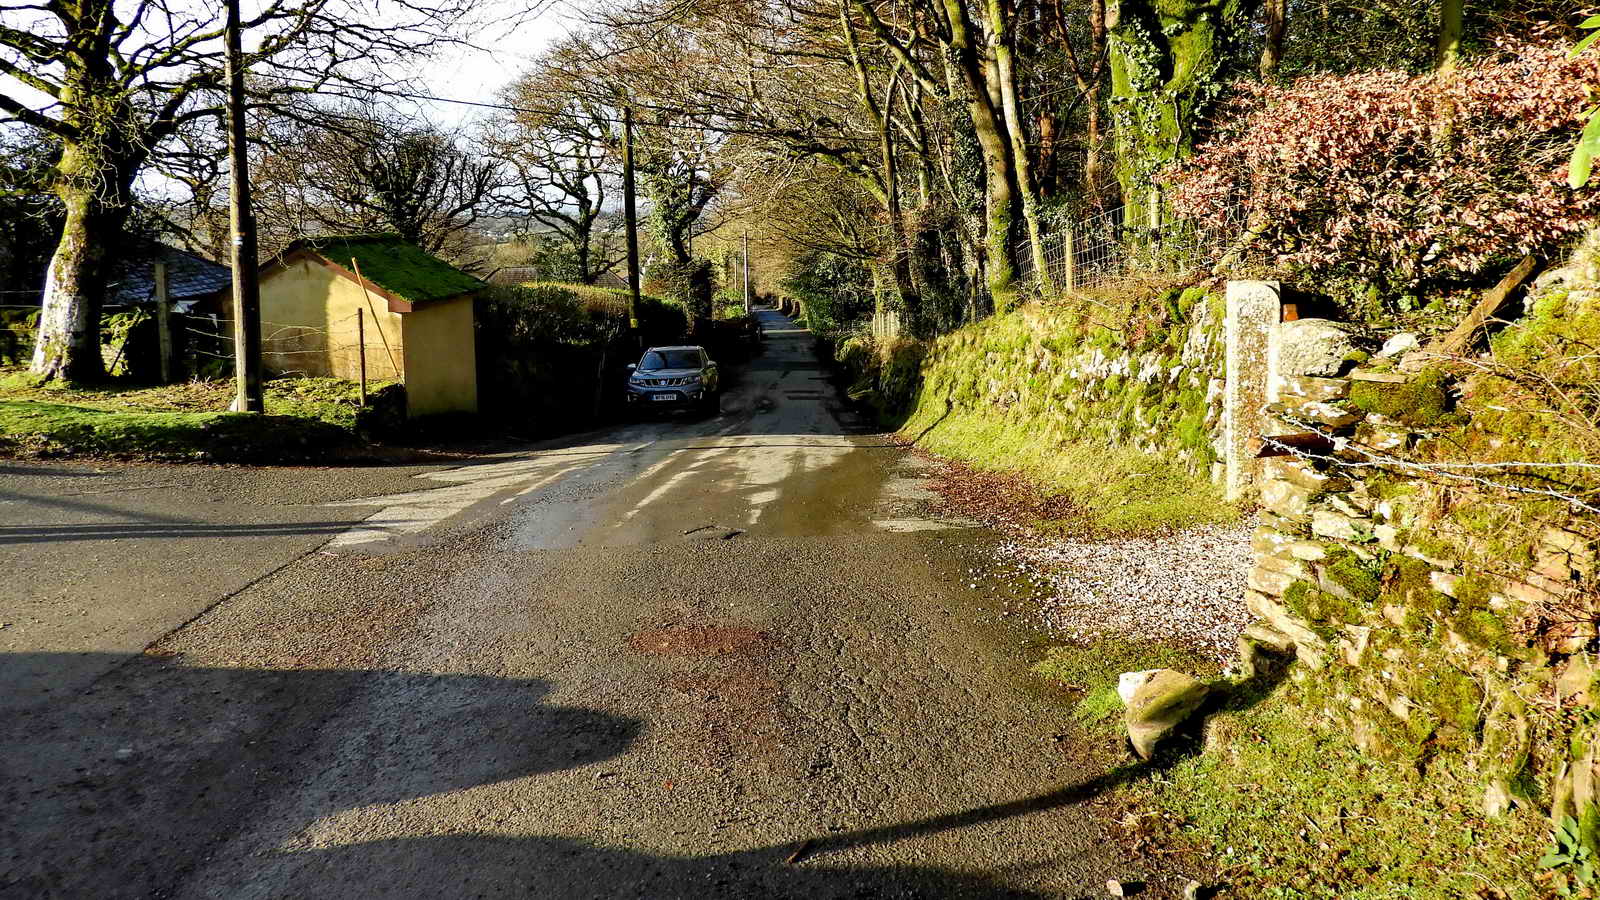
(1402, 343)
(1129, 683)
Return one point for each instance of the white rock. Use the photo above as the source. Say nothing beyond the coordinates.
(1400, 344)
(1128, 684)
(1313, 347)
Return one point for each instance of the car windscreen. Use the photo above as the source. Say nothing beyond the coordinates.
(670, 359)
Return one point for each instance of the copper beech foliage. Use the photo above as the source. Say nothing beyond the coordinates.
(1401, 179)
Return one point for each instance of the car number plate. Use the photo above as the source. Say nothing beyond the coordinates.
(659, 397)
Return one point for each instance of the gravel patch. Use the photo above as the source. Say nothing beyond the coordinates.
(1185, 587)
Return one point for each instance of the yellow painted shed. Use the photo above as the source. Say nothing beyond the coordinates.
(408, 314)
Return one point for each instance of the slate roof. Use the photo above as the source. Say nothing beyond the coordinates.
(392, 263)
(189, 277)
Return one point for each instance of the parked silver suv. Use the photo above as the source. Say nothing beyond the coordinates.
(674, 377)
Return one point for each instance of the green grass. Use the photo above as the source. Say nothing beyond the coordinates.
(58, 429)
(1297, 811)
(1093, 670)
(306, 417)
(1290, 808)
(1122, 490)
(330, 400)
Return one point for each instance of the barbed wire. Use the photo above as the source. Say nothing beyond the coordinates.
(1375, 459)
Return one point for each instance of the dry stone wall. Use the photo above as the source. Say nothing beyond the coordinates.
(1435, 620)
(1159, 391)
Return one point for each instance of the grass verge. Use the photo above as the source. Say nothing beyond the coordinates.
(1119, 490)
(1091, 671)
(307, 418)
(1284, 807)
(57, 429)
(1293, 810)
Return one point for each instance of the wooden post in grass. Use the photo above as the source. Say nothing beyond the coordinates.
(394, 366)
(163, 322)
(1069, 254)
(361, 348)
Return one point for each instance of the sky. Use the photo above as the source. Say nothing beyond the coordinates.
(505, 48)
(505, 52)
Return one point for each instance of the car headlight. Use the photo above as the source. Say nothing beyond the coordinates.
(691, 379)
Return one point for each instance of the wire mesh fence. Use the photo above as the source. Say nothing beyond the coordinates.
(1103, 250)
(337, 348)
(202, 344)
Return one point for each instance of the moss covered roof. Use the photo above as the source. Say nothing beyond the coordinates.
(392, 263)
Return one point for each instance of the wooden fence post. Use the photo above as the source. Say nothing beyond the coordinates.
(361, 347)
(1069, 253)
(163, 323)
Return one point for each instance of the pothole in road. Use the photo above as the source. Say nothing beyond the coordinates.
(698, 640)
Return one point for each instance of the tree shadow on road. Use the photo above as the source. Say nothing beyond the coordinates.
(553, 868)
(118, 789)
(135, 786)
(562, 868)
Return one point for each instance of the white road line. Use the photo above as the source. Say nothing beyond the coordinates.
(415, 511)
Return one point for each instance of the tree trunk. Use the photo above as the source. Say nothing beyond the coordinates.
(1000, 177)
(96, 202)
(1168, 60)
(1448, 52)
(1091, 154)
(1275, 22)
(580, 248)
(1009, 104)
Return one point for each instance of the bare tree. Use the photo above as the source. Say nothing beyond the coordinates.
(363, 169)
(112, 83)
(683, 159)
(560, 153)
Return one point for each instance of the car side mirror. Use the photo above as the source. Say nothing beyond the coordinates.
(631, 366)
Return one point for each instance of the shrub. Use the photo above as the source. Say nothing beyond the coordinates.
(539, 346)
(661, 321)
(17, 329)
(835, 290)
(1401, 179)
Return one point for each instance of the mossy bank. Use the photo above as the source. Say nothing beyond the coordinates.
(1122, 418)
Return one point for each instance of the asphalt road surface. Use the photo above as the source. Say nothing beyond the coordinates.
(726, 656)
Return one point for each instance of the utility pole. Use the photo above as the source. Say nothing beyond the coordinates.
(747, 273)
(246, 284)
(630, 218)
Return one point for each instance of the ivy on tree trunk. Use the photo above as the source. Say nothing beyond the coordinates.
(1169, 60)
(95, 191)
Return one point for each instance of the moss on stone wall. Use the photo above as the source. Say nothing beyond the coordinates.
(1423, 400)
(1125, 420)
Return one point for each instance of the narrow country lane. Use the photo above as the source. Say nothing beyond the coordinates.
(720, 657)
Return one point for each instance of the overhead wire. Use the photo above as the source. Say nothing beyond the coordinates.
(701, 126)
